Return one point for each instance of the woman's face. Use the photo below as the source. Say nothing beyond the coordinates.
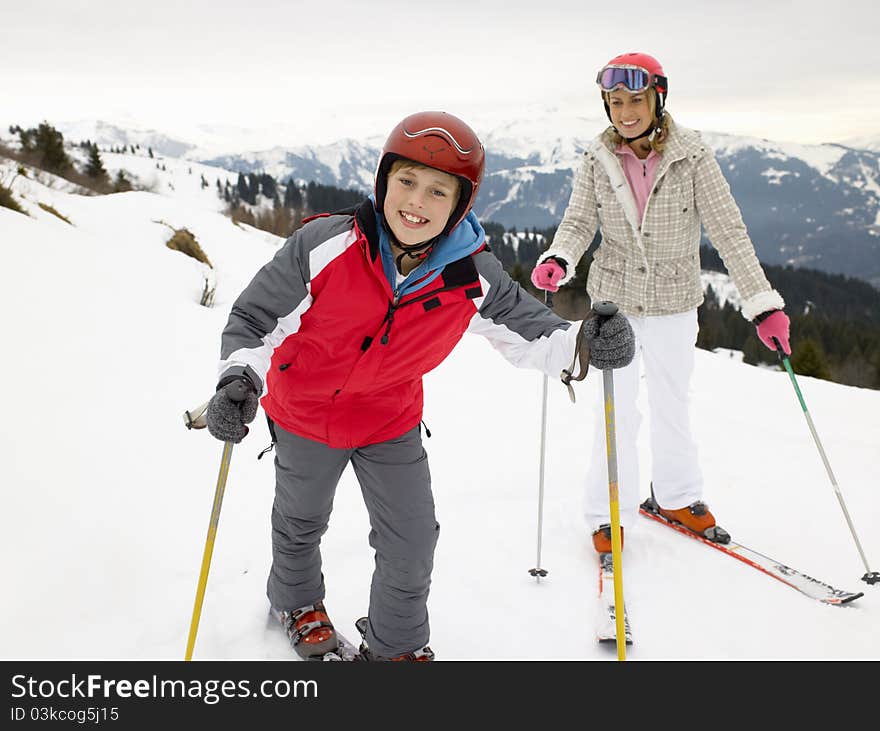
(630, 113)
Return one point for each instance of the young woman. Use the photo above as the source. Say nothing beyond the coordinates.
(649, 184)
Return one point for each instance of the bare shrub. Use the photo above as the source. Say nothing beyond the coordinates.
(240, 214)
(184, 242)
(280, 220)
(207, 299)
(7, 199)
(49, 209)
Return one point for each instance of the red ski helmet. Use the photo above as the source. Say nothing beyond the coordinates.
(441, 141)
(634, 72)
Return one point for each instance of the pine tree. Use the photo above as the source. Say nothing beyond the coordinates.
(268, 186)
(751, 349)
(807, 359)
(26, 138)
(121, 183)
(292, 195)
(150, 151)
(49, 142)
(95, 166)
(242, 189)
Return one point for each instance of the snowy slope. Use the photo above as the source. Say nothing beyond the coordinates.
(106, 496)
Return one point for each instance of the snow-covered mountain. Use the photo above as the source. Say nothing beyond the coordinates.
(870, 142)
(110, 135)
(345, 164)
(807, 205)
(804, 205)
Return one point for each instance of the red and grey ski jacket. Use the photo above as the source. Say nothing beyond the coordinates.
(339, 356)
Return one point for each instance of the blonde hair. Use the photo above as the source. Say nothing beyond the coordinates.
(403, 163)
(659, 140)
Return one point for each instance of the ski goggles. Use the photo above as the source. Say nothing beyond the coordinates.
(632, 78)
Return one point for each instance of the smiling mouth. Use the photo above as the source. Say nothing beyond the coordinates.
(629, 124)
(412, 219)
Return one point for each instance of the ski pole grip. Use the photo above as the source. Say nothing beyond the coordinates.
(196, 418)
(605, 309)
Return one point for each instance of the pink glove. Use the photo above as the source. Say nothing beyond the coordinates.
(547, 275)
(774, 325)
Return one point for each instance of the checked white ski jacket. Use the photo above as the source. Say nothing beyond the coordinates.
(652, 266)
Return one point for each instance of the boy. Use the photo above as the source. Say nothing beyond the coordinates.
(337, 331)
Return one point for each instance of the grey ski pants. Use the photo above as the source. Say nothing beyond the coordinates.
(396, 486)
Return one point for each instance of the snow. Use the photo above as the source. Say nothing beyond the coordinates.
(107, 496)
(867, 142)
(723, 287)
(774, 177)
(820, 157)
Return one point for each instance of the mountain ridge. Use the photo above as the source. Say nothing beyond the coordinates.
(804, 205)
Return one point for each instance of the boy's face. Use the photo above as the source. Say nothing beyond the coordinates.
(419, 202)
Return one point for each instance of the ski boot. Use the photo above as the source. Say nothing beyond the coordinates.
(423, 654)
(310, 630)
(696, 517)
(602, 539)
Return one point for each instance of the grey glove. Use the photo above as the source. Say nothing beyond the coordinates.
(233, 406)
(611, 340)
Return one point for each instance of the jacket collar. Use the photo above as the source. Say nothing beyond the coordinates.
(467, 238)
(680, 144)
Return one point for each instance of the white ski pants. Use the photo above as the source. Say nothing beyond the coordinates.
(664, 359)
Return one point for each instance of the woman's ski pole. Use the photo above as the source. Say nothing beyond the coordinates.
(196, 420)
(538, 572)
(871, 577)
(604, 310)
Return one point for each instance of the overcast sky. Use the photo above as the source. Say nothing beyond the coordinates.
(805, 71)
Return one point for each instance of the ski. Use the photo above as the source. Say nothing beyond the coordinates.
(806, 585)
(606, 617)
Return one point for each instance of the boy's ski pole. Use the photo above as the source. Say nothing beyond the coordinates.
(604, 310)
(871, 577)
(538, 572)
(196, 420)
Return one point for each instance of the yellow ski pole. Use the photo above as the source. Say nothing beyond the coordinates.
(604, 310)
(196, 420)
(209, 548)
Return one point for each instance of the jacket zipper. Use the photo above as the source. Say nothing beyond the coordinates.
(395, 305)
